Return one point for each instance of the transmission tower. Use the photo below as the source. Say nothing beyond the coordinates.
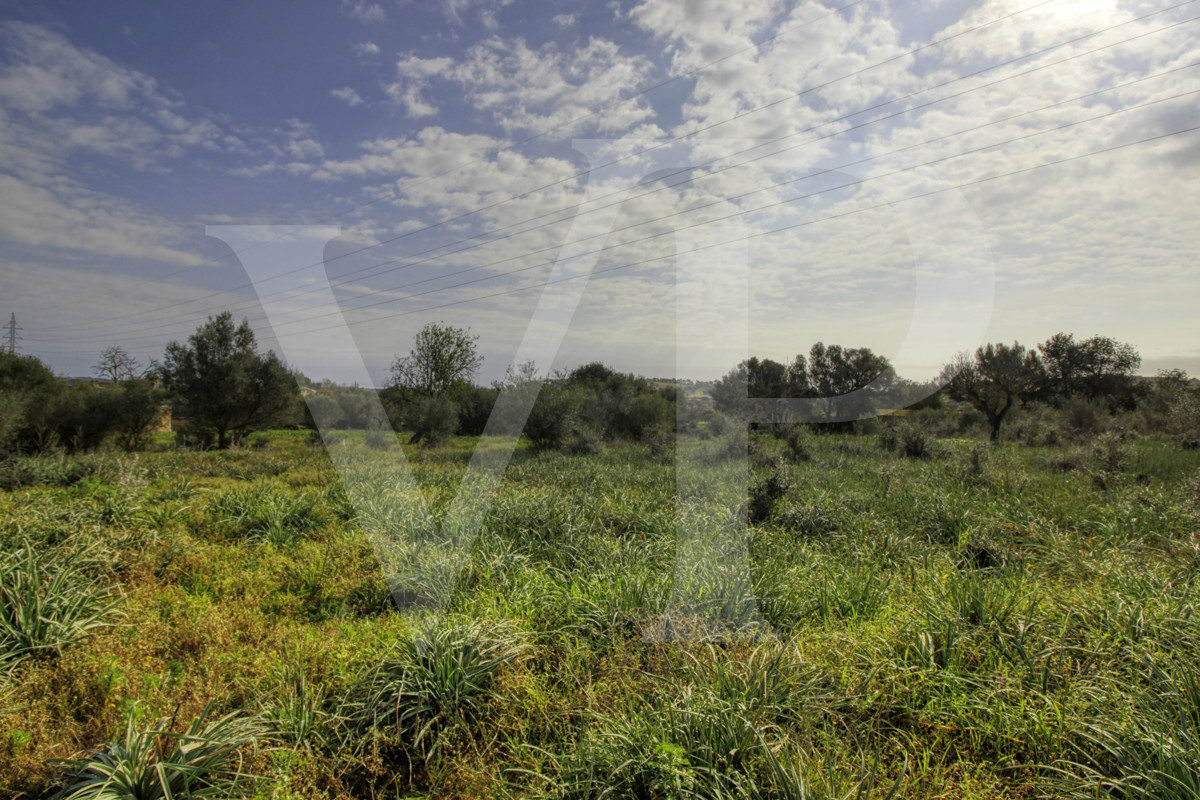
(13, 327)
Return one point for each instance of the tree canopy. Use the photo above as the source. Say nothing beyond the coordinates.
(442, 362)
(1097, 368)
(226, 387)
(997, 379)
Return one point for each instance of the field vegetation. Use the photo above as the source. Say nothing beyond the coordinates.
(990, 593)
(942, 617)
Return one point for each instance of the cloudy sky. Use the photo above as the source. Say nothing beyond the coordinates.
(622, 181)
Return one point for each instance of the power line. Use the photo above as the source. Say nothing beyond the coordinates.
(657, 146)
(492, 151)
(893, 173)
(773, 186)
(412, 261)
(806, 223)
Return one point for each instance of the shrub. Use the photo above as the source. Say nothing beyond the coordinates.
(202, 762)
(432, 420)
(798, 442)
(907, 439)
(553, 417)
(1082, 416)
(587, 442)
(765, 493)
(439, 678)
(47, 602)
(1105, 459)
(475, 410)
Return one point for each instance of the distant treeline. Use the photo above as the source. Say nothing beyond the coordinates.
(219, 388)
(39, 412)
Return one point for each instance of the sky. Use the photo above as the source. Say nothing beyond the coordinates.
(666, 186)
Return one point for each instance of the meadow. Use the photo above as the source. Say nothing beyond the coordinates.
(932, 618)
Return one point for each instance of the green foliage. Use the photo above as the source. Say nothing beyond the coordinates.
(1156, 757)
(1099, 368)
(48, 601)
(798, 443)
(439, 678)
(432, 420)
(906, 438)
(262, 515)
(766, 492)
(441, 363)
(852, 381)
(996, 380)
(225, 387)
(554, 417)
(976, 625)
(203, 761)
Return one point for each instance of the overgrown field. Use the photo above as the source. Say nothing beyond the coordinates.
(940, 619)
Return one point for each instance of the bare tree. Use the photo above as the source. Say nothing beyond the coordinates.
(116, 364)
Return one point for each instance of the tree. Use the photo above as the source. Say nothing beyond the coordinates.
(834, 373)
(1098, 368)
(116, 364)
(442, 362)
(136, 409)
(226, 387)
(998, 378)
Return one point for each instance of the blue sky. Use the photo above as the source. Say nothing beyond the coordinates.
(915, 178)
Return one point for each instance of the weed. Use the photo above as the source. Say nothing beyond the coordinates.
(765, 493)
(48, 601)
(437, 679)
(204, 761)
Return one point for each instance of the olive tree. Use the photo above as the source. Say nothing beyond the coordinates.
(427, 386)
(442, 362)
(997, 379)
(1100, 368)
(225, 386)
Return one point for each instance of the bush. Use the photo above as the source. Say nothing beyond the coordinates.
(432, 420)
(765, 493)
(439, 678)
(202, 762)
(798, 442)
(1083, 417)
(553, 418)
(587, 442)
(476, 409)
(907, 439)
(47, 602)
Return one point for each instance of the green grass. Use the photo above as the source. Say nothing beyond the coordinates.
(976, 622)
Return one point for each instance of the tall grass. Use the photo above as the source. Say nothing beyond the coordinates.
(49, 600)
(158, 763)
(438, 678)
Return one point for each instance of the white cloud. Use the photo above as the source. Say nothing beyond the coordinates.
(412, 78)
(525, 90)
(488, 11)
(65, 216)
(367, 49)
(63, 99)
(348, 96)
(364, 11)
(563, 20)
